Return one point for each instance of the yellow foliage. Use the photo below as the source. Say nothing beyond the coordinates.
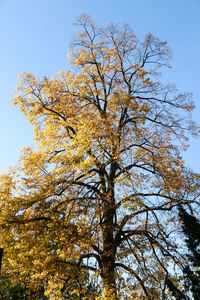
(96, 196)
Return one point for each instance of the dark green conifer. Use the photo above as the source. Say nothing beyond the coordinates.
(191, 230)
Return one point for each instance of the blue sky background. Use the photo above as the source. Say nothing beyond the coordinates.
(35, 36)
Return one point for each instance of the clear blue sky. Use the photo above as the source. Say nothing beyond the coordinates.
(35, 36)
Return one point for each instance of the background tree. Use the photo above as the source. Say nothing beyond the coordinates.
(191, 275)
(9, 291)
(100, 193)
(191, 230)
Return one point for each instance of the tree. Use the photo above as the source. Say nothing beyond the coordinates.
(191, 275)
(100, 193)
(191, 230)
(8, 291)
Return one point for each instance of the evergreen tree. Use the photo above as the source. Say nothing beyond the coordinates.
(191, 230)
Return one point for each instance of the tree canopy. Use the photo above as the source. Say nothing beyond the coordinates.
(92, 212)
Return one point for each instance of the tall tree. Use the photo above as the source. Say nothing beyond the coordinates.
(100, 193)
(191, 230)
(191, 274)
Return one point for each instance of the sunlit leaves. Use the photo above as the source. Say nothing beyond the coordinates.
(97, 199)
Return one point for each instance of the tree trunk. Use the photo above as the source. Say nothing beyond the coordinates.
(1, 256)
(108, 257)
(108, 276)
